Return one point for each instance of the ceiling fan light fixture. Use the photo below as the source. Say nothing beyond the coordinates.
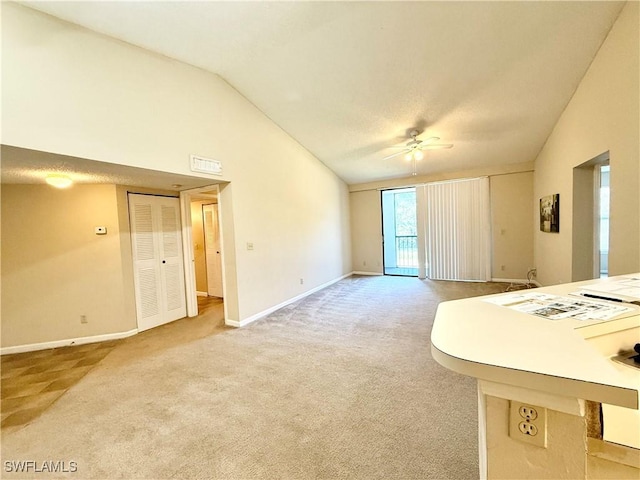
(413, 150)
(58, 181)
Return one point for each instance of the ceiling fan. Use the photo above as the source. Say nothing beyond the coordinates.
(413, 149)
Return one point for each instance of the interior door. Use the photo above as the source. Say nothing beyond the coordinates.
(212, 250)
(156, 239)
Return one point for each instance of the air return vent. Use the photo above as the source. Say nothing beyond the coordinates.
(205, 165)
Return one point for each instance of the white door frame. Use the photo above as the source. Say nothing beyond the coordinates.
(596, 220)
(213, 256)
(187, 245)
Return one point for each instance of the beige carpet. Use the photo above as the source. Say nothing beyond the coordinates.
(338, 385)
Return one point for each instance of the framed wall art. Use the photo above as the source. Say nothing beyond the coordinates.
(550, 213)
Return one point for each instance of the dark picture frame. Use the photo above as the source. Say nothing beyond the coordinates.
(550, 213)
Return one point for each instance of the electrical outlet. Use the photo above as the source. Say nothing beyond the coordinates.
(528, 413)
(302, 281)
(83, 319)
(528, 423)
(527, 428)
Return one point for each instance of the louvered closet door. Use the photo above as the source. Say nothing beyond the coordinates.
(157, 259)
(172, 267)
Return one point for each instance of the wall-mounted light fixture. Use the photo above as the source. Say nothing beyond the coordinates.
(58, 181)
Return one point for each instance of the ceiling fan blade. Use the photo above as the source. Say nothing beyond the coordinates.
(429, 139)
(396, 154)
(436, 146)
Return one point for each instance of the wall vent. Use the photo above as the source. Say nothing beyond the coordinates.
(205, 165)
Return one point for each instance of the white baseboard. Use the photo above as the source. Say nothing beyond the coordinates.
(202, 294)
(510, 280)
(368, 273)
(523, 281)
(264, 313)
(32, 347)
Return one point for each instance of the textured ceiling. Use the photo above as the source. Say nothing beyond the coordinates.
(349, 79)
(23, 166)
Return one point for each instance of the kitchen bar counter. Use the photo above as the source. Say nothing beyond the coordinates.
(562, 366)
(492, 342)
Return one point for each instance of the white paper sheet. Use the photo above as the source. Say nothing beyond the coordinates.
(627, 288)
(555, 307)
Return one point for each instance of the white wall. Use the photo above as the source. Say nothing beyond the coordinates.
(512, 232)
(602, 116)
(366, 231)
(55, 268)
(507, 458)
(199, 249)
(71, 91)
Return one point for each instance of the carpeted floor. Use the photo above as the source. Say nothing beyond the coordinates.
(338, 385)
(33, 381)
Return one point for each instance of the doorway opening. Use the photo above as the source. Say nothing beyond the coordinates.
(192, 202)
(602, 221)
(590, 222)
(207, 251)
(399, 232)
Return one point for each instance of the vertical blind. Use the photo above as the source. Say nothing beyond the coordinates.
(457, 229)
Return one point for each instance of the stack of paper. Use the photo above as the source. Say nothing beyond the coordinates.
(625, 289)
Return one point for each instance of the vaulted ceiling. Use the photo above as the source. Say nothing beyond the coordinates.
(347, 80)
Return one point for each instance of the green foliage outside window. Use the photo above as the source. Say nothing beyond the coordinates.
(405, 204)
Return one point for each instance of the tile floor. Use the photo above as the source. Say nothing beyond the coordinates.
(31, 382)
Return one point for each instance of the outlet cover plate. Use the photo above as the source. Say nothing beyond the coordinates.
(519, 422)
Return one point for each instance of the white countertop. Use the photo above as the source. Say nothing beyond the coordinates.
(492, 342)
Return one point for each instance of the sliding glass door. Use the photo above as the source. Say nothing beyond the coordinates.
(400, 244)
(439, 230)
